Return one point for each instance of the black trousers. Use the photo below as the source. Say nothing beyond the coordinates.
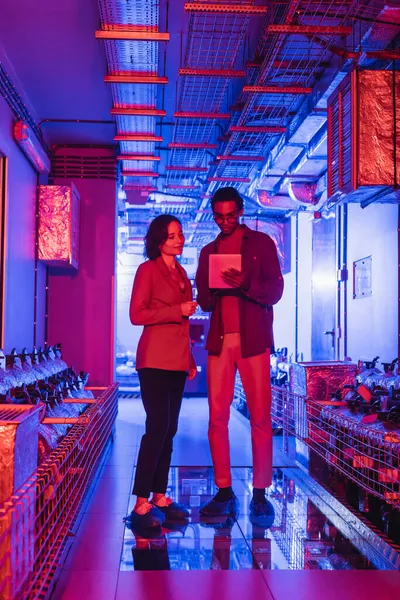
(162, 393)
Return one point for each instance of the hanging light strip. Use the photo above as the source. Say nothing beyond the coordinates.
(256, 129)
(228, 179)
(275, 89)
(139, 188)
(228, 73)
(128, 173)
(339, 30)
(183, 145)
(226, 8)
(200, 115)
(238, 158)
(145, 111)
(136, 78)
(150, 158)
(172, 186)
(183, 168)
(137, 137)
(128, 34)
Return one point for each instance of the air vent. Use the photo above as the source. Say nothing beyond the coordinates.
(77, 165)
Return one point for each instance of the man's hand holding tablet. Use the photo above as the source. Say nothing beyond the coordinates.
(225, 271)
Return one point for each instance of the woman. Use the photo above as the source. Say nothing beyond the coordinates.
(162, 301)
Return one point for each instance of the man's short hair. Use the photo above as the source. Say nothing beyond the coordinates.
(227, 194)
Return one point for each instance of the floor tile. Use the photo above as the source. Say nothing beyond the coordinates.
(94, 585)
(97, 525)
(331, 585)
(108, 504)
(94, 553)
(115, 486)
(199, 585)
(122, 456)
(121, 470)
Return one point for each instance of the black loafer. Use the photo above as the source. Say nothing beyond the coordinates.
(150, 520)
(174, 511)
(262, 514)
(212, 508)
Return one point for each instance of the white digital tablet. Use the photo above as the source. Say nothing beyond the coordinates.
(219, 263)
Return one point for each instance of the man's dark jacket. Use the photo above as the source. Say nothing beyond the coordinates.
(262, 288)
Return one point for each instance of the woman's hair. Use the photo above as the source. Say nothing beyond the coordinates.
(157, 235)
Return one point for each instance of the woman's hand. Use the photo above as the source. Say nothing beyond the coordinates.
(192, 374)
(188, 308)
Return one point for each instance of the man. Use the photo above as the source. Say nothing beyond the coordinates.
(240, 338)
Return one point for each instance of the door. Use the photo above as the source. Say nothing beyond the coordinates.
(324, 290)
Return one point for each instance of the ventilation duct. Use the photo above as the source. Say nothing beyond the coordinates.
(303, 193)
(364, 138)
(276, 202)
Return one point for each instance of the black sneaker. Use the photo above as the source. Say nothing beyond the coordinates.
(146, 517)
(262, 514)
(212, 508)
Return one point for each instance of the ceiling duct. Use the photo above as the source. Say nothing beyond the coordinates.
(276, 202)
(364, 138)
(303, 193)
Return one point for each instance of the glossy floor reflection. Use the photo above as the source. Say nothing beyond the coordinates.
(302, 536)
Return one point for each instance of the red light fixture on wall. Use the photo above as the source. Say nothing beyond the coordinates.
(59, 225)
(31, 147)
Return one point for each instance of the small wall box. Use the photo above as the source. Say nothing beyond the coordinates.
(59, 207)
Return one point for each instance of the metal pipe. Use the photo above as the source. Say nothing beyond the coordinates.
(339, 282)
(296, 314)
(345, 299)
(35, 282)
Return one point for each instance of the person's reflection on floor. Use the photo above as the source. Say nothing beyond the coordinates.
(151, 548)
(261, 548)
(221, 552)
(151, 554)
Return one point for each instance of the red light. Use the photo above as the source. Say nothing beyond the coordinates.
(138, 157)
(232, 8)
(135, 78)
(128, 173)
(137, 137)
(131, 34)
(250, 129)
(185, 146)
(171, 186)
(201, 115)
(229, 73)
(194, 169)
(59, 225)
(232, 179)
(276, 89)
(146, 111)
(242, 158)
(31, 147)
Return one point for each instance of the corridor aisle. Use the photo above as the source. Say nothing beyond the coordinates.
(310, 552)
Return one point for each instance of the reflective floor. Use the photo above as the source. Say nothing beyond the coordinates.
(301, 537)
(314, 549)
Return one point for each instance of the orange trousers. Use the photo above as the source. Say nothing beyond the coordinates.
(255, 375)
